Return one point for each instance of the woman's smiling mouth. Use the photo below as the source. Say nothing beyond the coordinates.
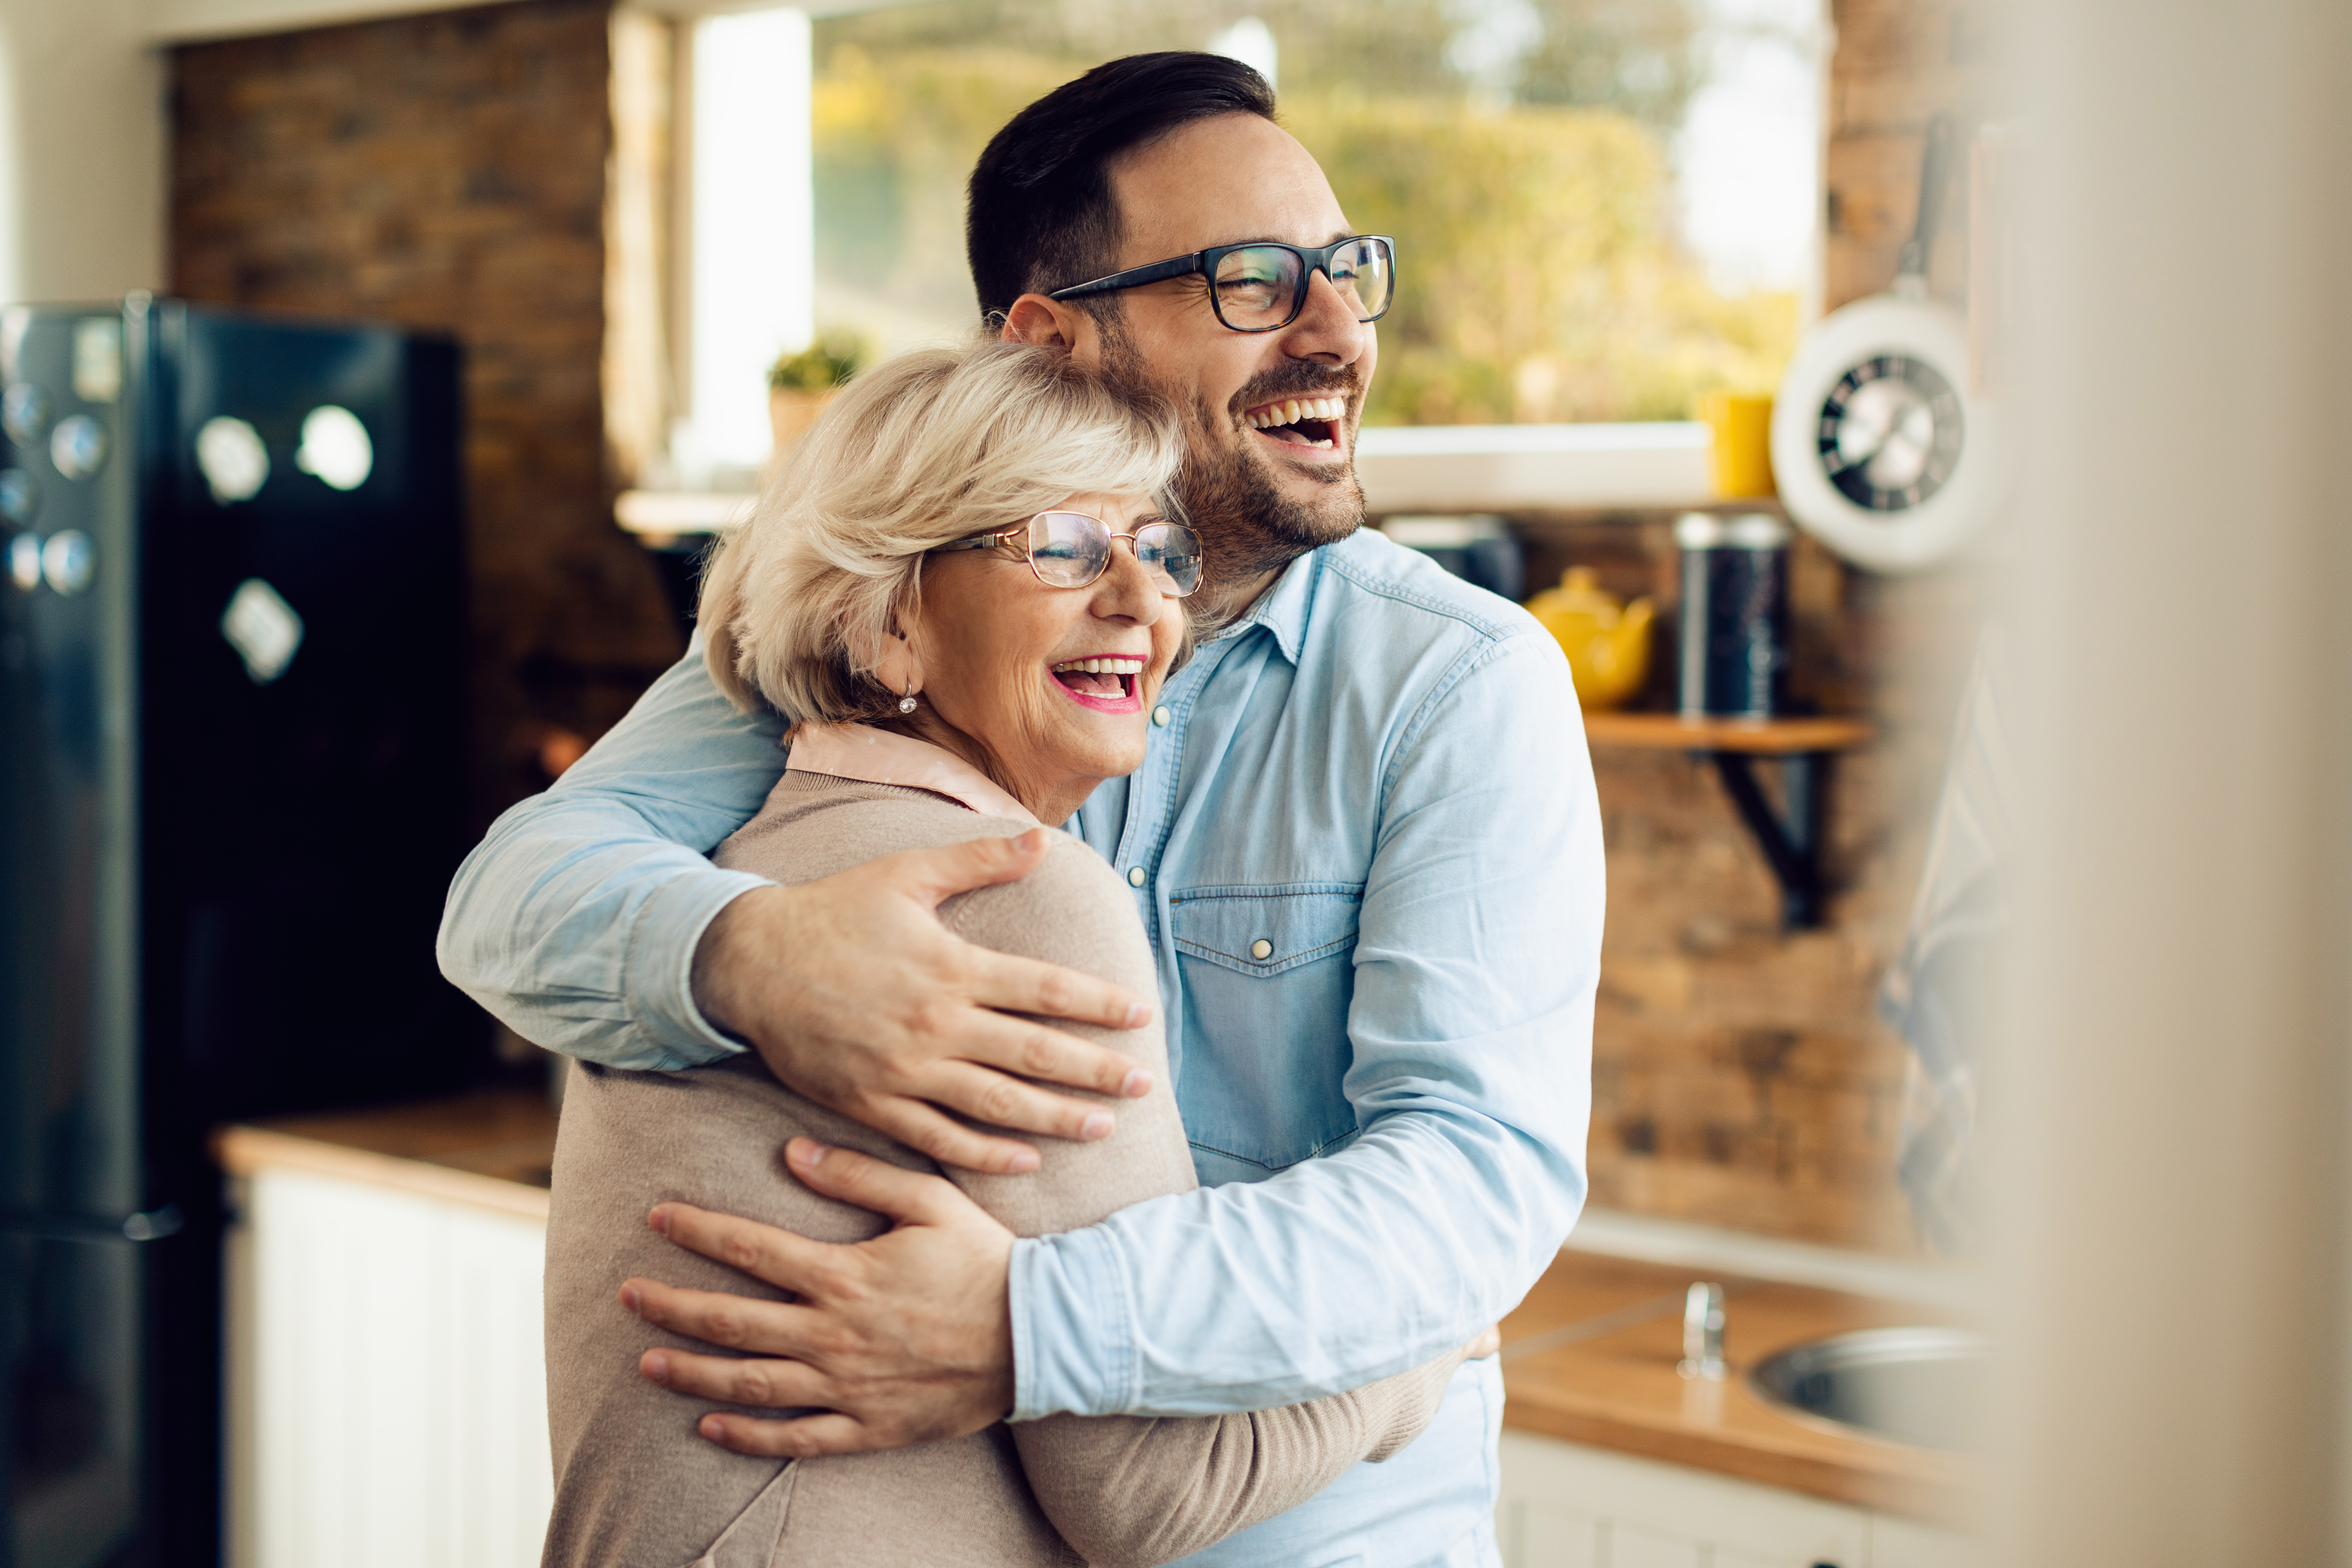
(1106, 684)
(1311, 422)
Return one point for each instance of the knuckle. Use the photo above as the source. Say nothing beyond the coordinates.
(995, 1100)
(755, 1383)
(1040, 1054)
(936, 1140)
(1056, 993)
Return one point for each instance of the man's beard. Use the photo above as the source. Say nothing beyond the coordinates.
(1248, 526)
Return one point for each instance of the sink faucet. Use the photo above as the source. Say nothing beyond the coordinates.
(1703, 1332)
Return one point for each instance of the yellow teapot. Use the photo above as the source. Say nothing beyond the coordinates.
(1607, 642)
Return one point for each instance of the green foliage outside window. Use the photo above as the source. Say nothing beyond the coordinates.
(1540, 277)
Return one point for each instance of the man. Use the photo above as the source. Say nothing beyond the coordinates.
(1364, 843)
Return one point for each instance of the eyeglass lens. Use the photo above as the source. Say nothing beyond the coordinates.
(1262, 286)
(1070, 550)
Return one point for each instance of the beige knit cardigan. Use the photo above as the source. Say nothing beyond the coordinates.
(636, 1486)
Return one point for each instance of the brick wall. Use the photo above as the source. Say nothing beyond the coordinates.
(1740, 1075)
(449, 171)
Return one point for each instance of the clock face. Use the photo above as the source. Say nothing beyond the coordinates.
(1890, 433)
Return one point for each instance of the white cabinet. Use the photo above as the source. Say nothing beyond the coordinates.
(1567, 1506)
(388, 1404)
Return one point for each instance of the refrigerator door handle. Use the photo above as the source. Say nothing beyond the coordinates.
(150, 1225)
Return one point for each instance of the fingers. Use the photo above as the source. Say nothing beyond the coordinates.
(936, 874)
(987, 1095)
(944, 1139)
(737, 1380)
(1033, 1050)
(738, 1322)
(1017, 985)
(1031, 985)
(764, 1251)
(1485, 1344)
(804, 1438)
(908, 1196)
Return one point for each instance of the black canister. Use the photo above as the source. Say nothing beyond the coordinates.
(1735, 616)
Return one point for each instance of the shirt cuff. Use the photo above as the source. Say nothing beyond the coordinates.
(1073, 1327)
(660, 967)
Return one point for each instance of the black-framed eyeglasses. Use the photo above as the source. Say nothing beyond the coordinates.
(1070, 550)
(1261, 287)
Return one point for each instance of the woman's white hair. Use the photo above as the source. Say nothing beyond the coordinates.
(921, 450)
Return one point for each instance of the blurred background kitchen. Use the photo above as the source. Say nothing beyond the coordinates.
(395, 362)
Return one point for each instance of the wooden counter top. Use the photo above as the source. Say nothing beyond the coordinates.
(492, 1149)
(1620, 1390)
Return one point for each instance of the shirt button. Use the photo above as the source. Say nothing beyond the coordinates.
(1161, 716)
(1134, 875)
(1261, 948)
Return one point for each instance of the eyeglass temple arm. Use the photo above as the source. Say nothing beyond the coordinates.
(1133, 277)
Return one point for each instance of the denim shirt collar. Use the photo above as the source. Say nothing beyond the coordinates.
(1283, 609)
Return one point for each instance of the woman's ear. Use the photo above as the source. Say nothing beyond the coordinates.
(898, 666)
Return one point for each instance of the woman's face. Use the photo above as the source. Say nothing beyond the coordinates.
(997, 654)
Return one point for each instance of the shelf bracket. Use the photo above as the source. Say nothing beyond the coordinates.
(1793, 845)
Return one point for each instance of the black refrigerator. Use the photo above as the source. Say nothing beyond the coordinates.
(231, 798)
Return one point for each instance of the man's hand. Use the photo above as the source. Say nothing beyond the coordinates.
(856, 997)
(904, 1339)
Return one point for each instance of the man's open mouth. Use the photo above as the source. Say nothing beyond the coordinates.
(1300, 421)
(1107, 678)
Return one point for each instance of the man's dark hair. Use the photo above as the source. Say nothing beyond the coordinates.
(1041, 214)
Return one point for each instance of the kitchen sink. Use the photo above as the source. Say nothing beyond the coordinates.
(1922, 1385)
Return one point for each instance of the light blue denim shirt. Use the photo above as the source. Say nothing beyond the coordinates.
(1367, 849)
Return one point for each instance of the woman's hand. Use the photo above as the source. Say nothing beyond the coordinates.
(855, 994)
(904, 1339)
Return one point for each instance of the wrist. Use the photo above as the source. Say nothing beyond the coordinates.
(729, 965)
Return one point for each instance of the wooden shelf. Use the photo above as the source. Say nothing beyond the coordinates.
(1767, 737)
(1792, 838)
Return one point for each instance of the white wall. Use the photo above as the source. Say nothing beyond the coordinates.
(81, 150)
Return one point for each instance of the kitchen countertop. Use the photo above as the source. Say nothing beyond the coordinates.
(1615, 1389)
(493, 1149)
(1620, 1390)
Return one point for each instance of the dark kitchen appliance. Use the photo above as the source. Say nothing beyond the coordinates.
(231, 799)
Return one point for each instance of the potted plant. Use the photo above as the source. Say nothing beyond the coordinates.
(800, 384)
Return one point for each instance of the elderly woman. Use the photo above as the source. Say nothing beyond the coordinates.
(963, 589)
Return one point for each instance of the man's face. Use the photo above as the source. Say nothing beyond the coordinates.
(1260, 491)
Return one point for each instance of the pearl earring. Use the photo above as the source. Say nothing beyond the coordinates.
(907, 703)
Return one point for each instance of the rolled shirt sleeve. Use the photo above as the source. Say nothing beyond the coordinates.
(575, 920)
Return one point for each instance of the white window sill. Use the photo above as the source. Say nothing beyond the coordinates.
(1532, 467)
(1426, 467)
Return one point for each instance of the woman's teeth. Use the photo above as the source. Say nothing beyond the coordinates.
(1099, 676)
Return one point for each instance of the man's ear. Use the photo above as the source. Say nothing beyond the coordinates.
(1035, 318)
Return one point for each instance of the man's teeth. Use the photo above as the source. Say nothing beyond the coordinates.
(1100, 667)
(1298, 408)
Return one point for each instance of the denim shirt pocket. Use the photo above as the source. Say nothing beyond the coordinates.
(1267, 977)
(1265, 931)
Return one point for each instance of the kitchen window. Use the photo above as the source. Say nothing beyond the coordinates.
(1605, 208)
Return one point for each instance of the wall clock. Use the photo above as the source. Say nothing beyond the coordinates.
(1879, 450)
